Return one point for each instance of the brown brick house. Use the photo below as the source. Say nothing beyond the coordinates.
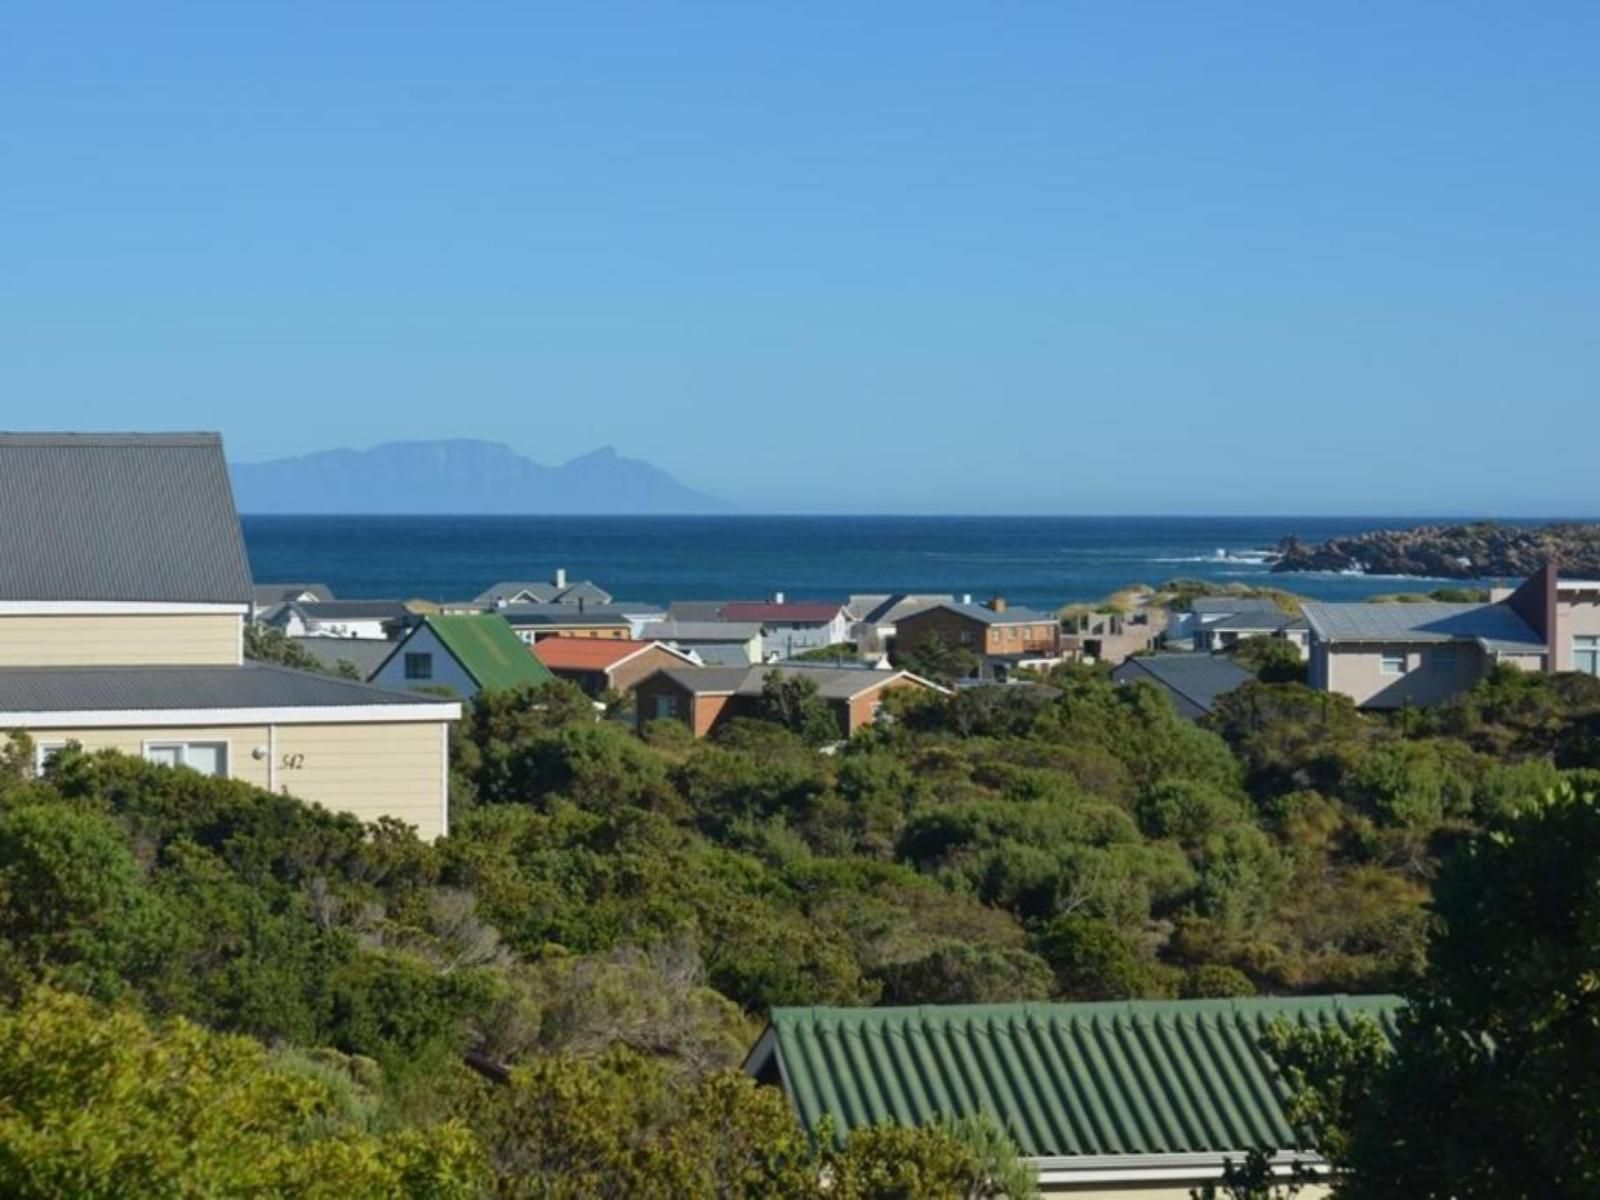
(704, 697)
(992, 629)
(598, 665)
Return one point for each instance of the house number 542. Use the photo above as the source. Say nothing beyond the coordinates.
(292, 762)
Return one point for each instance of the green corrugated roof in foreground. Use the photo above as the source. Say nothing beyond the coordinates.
(490, 650)
(1120, 1078)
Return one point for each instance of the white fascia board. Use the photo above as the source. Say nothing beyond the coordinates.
(1160, 1168)
(109, 608)
(151, 718)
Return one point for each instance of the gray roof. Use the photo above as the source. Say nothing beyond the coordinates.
(119, 517)
(269, 594)
(562, 614)
(1493, 626)
(540, 590)
(366, 655)
(115, 689)
(701, 631)
(1234, 604)
(886, 610)
(354, 610)
(1257, 620)
(1195, 680)
(833, 683)
(716, 654)
(987, 615)
(697, 610)
(544, 592)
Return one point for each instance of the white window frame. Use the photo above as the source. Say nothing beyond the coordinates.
(42, 751)
(182, 747)
(1588, 645)
(1386, 659)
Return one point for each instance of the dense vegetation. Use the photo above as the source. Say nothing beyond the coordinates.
(550, 1000)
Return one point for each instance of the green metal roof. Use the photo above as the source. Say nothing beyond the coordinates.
(1106, 1079)
(489, 650)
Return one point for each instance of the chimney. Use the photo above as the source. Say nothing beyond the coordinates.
(561, 577)
(777, 597)
(997, 604)
(966, 597)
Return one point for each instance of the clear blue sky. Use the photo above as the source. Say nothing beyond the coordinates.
(1051, 257)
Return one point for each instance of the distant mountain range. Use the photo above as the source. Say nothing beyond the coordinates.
(460, 476)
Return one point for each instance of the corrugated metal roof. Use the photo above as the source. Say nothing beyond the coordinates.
(1121, 1078)
(586, 654)
(119, 517)
(1494, 625)
(252, 685)
(353, 610)
(488, 650)
(562, 614)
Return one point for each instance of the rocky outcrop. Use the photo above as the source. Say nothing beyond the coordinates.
(1485, 550)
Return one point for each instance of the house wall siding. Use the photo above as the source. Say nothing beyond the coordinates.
(121, 640)
(641, 666)
(383, 769)
(1355, 671)
(447, 672)
(394, 769)
(1577, 616)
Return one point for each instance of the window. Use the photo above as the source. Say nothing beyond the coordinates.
(1443, 659)
(1392, 662)
(209, 758)
(43, 752)
(1586, 654)
(419, 666)
(666, 706)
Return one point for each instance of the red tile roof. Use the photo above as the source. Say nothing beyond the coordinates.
(817, 614)
(585, 654)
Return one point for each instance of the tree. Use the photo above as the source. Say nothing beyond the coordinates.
(100, 1104)
(263, 643)
(1270, 659)
(939, 660)
(1494, 1088)
(792, 701)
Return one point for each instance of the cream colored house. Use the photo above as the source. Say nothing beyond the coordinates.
(1392, 655)
(124, 590)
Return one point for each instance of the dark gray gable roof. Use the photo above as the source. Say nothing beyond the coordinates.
(562, 614)
(269, 594)
(111, 517)
(1234, 604)
(1256, 619)
(354, 610)
(504, 591)
(366, 655)
(252, 685)
(985, 615)
(588, 592)
(1197, 678)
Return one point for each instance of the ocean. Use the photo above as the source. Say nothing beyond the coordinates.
(1036, 561)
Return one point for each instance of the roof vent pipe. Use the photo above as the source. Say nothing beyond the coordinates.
(561, 577)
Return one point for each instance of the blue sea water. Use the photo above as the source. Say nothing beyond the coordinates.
(1037, 561)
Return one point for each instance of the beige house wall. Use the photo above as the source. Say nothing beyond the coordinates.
(1577, 614)
(242, 741)
(371, 769)
(1355, 671)
(121, 639)
(379, 769)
